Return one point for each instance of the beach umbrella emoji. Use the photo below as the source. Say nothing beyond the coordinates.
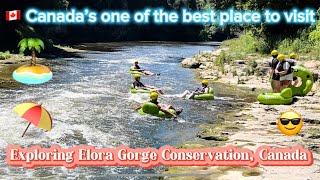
(35, 114)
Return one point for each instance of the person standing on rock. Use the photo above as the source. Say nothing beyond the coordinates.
(292, 59)
(284, 70)
(293, 62)
(275, 82)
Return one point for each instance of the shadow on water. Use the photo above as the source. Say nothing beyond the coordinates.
(90, 103)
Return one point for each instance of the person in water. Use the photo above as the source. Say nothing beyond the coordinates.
(203, 90)
(137, 84)
(163, 107)
(284, 70)
(137, 68)
(292, 61)
(275, 83)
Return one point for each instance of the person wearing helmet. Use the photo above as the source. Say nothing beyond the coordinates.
(163, 107)
(137, 84)
(203, 90)
(284, 70)
(275, 83)
(293, 57)
(136, 67)
(292, 61)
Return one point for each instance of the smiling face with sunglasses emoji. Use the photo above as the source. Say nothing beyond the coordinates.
(290, 123)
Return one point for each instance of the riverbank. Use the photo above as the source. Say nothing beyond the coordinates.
(251, 71)
(253, 124)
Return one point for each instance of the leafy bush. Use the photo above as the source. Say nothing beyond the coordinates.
(207, 32)
(307, 44)
(295, 45)
(315, 34)
(221, 60)
(257, 72)
(253, 64)
(310, 49)
(5, 55)
(246, 43)
(251, 67)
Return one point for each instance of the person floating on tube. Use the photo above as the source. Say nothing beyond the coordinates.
(137, 68)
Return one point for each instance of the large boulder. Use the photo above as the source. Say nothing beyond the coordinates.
(190, 63)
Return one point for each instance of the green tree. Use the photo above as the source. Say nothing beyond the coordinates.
(315, 34)
(33, 44)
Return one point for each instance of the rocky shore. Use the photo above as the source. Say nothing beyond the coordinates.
(251, 72)
(253, 124)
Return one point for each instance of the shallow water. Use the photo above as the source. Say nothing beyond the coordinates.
(90, 103)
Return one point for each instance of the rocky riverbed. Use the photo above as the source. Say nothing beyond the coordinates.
(253, 124)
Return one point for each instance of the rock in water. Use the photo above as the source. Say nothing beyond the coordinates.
(190, 63)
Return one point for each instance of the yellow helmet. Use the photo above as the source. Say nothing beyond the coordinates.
(206, 82)
(281, 57)
(153, 95)
(136, 76)
(293, 56)
(136, 61)
(274, 53)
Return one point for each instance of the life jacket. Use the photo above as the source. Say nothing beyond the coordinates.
(154, 102)
(292, 62)
(203, 89)
(274, 63)
(134, 67)
(137, 67)
(281, 64)
(137, 84)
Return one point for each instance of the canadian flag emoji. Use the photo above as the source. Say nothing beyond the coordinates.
(13, 15)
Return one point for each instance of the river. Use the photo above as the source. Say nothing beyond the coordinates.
(90, 104)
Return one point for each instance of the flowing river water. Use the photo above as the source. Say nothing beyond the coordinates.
(90, 104)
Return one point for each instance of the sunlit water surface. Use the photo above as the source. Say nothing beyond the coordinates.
(90, 104)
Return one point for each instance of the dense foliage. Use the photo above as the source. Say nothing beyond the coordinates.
(263, 38)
